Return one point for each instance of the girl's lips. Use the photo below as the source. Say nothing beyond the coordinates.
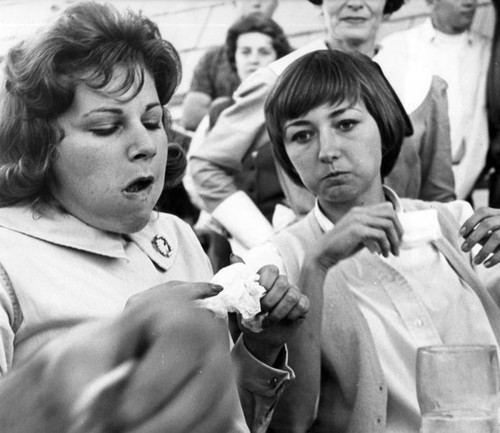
(139, 185)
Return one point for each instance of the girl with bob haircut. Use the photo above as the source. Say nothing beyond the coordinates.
(94, 283)
(337, 84)
(385, 275)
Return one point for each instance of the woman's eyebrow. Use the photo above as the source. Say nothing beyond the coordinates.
(153, 105)
(112, 110)
(298, 122)
(301, 122)
(337, 112)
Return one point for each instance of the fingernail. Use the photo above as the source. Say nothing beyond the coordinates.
(216, 288)
(477, 260)
(488, 263)
(465, 247)
(462, 231)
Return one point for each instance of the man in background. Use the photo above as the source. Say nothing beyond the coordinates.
(446, 45)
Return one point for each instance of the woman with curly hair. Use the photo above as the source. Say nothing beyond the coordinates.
(95, 284)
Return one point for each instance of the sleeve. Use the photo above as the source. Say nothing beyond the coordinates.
(202, 80)
(214, 164)
(298, 406)
(261, 255)
(10, 320)
(260, 386)
(438, 183)
(237, 129)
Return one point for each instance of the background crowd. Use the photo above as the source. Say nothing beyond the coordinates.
(342, 168)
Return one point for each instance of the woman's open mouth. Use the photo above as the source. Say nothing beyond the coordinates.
(139, 185)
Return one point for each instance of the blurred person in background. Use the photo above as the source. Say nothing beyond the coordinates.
(213, 76)
(446, 45)
(423, 169)
(252, 42)
(493, 104)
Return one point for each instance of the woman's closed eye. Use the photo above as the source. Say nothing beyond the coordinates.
(153, 124)
(105, 131)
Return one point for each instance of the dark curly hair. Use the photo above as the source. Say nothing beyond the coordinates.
(84, 44)
(256, 22)
(390, 5)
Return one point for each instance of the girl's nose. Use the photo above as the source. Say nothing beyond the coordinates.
(141, 145)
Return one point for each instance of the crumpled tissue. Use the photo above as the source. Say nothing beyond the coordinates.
(241, 294)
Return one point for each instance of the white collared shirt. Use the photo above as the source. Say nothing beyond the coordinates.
(408, 303)
(63, 272)
(462, 61)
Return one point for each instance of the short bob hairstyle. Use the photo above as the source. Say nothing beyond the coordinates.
(256, 23)
(333, 77)
(390, 7)
(83, 45)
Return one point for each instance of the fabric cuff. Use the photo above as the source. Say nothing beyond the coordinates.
(243, 220)
(257, 377)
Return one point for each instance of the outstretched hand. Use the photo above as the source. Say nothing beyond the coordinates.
(180, 377)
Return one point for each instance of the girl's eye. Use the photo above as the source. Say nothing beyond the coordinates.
(347, 125)
(153, 125)
(265, 52)
(302, 136)
(104, 132)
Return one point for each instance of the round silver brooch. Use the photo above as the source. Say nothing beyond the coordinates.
(161, 245)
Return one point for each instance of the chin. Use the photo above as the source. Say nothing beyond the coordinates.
(341, 195)
(126, 223)
(136, 224)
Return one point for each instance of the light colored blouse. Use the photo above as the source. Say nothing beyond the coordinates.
(57, 272)
(408, 301)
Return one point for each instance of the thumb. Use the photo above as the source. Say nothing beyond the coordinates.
(233, 258)
(204, 290)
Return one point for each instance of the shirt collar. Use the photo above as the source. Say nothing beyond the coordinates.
(430, 34)
(326, 225)
(419, 226)
(56, 227)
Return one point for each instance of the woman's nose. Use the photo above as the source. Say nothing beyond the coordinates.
(254, 57)
(355, 5)
(141, 145)
(329, 146)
